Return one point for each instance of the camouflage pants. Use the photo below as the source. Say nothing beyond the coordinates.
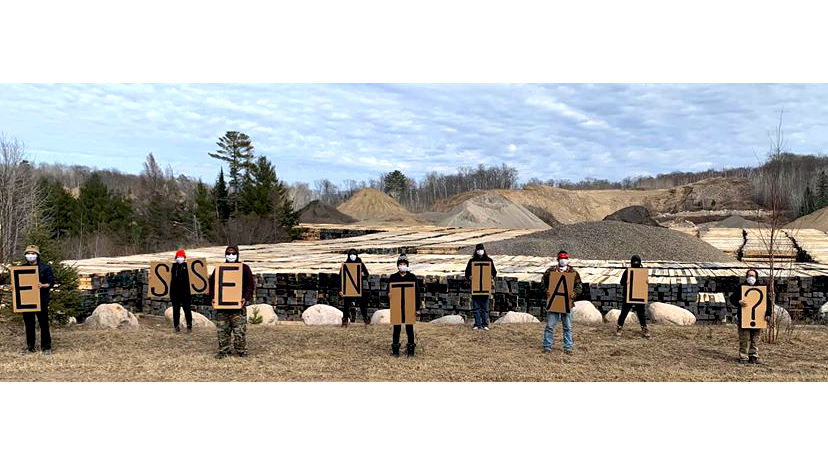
(747, 343)
(234, 322)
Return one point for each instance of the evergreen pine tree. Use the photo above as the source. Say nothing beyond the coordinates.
(236, 149)
(220, 198)
(821, 191)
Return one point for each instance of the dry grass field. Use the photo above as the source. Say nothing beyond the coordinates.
(294, 352)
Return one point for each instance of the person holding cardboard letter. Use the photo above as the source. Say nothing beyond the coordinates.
(561, 285)
(351, 276)
(46, 281)
(631, 280)
(402, 288)
(481, 272)
(748, 298)
(180, 292)
(230, 293)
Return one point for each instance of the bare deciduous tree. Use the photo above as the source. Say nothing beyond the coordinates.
(20, 199)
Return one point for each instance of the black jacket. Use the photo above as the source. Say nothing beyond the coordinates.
(409, 277)
(180, 281)
(47, 276)
(364, 268)
(736, 296)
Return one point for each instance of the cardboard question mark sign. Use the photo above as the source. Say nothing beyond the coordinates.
(755, 297)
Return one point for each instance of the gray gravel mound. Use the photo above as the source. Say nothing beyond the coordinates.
(319, 212)
(635, 214)
(609, 240)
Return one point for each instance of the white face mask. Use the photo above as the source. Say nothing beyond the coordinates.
(403, 268)
(352, 257)
(480, 253)
(31, 257)
(179, 260)
(751, 280)
(562, 263)
(231, 257)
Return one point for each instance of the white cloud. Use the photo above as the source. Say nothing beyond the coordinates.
(355, 131)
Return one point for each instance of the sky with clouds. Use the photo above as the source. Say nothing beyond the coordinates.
(357, 131)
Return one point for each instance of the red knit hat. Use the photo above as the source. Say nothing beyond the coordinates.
(563, 254)
(180, 253)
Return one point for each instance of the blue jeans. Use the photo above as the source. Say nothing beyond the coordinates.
(549, 333)
(481, 312)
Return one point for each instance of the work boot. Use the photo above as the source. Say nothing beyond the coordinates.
(176, 329)
(410, 349)
(27, 350)
(645, 332)
(242, 354)
(345, 322)
(753, 359)
(221, 355)
(395, 350)
(617, 332)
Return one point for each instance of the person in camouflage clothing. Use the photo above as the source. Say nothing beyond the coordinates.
(552, 318)
(234, 322)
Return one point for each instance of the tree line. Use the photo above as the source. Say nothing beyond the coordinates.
(92, 213)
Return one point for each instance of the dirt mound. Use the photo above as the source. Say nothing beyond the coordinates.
(491, 211)
(609, 240)
(736, 221)
(373, 206)
(635, 214)
(319, 212)
(815, 220)
(572, 206)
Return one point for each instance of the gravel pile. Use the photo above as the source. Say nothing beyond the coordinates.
(609, 240)
(635, 214)
(319, 212)
(491, 211)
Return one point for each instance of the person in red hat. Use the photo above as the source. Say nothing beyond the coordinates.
(180, 292)
(552, 318)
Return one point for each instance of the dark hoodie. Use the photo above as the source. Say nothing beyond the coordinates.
(635, 262)
(248, 280)
(484, 258)
(47, 276)
(358, 260)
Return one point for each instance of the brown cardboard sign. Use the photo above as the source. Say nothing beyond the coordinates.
(350, 276)
(753, 315)
(25, 288)
(637, 285)
(403, 297)
(228, 291)
(481, 278)
(197, 272)
(559, 293)
(159, 280)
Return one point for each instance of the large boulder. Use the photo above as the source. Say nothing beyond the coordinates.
(670, 315)
(269, 317)
(449, 319)
(111, 316)
(381, 317)
(320, 314)
(823, 312)
(586, 314)
(199, 320)
(517, 317)
(782, 317)
(612, 318)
